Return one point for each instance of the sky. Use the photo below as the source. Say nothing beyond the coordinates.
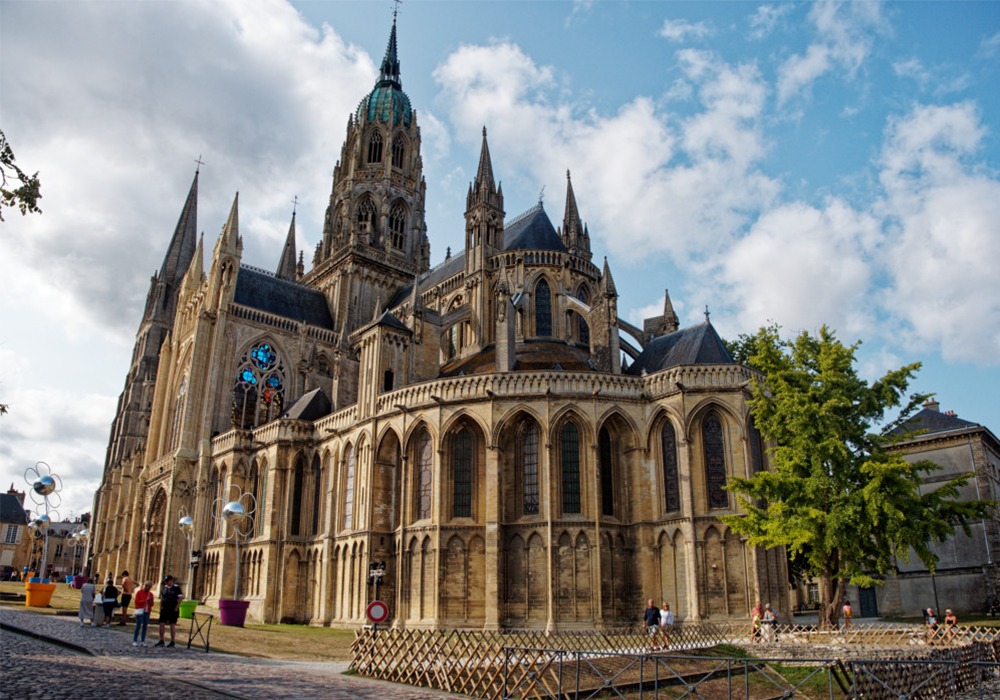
(806, 164)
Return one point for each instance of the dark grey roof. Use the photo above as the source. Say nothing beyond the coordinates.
(260, 290)
(931, 421)
(449, 268)
(387, 319)
(11, 510)
(695, 345)
(532, 231)
(310, 406)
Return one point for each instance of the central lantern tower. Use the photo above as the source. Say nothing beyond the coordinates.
(374, 234)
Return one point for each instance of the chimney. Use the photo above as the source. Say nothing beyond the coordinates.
(949, 413)
(932, 405)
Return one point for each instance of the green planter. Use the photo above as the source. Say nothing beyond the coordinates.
(187, 608)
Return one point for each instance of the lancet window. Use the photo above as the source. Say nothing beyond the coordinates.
(349, 489)
(317, 484)
(398, 151)
(671, 481)
(259, 394)
(607, 473)
(581, 321)
(529, 467)
(375, 147)
(543, 308)
(570, 457)
(366, 216)
(425, 475)
(397, 225)
(461, 447)
(756, 445)
(297, 476)
(715, 461)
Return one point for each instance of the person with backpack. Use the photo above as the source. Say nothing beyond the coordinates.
(170, 600)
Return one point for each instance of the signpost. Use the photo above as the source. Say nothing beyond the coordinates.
(377, 611)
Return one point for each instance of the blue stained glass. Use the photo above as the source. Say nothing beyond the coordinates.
(247, 376)
(274, 382)
(263, 356)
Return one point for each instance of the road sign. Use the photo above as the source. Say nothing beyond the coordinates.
(377, 611)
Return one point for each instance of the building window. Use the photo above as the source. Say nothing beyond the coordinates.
(715, 461)
(349, 489)
(366, 217)
(584, 329)
(317, 491)
(607, 473)
(297, 497)
(813, 593)
(425, 475)
(529, 467)
(543, 308)
(398, 151)
(59, 550)
(461, 447)
(756, 447)
(176, 417)
(570, 457)
(388, 380)
(375, 147)
(397, 225)
(259, 394)
(12, 534)
(671, 485)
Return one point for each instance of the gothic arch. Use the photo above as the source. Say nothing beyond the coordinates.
(464, 414)
(415, 427)
(463, 469)
(512, 417)
(697, 413)
(651, 434)
(615, 412)
(570, 412)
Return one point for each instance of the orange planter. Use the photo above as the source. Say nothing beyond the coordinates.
(38, 595)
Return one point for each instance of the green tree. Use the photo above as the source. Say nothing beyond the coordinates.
(837, 494)
(25, 195)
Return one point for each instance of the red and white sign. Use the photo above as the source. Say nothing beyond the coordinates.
(377, 611)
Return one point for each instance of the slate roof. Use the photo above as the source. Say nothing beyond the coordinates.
(11, 510)
(694, 345)
(310, 406)
(532, 356)
(262, 291)
(930, 421)
(449, 268)
(532, 231)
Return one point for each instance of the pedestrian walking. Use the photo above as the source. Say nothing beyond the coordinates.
(98, 620)
(666, 623)
(756, 616)
(769, 621)
(848, 614)
(109, 598)
(652, 619)
(143, 608)
(170, 600)
(128, 588)
(86, 603)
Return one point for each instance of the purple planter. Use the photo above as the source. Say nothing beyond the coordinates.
(233, 612)
(78, 581)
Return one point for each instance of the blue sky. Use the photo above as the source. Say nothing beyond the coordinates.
(804, 163)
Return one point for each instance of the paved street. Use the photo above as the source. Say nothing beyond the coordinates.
(34, 669)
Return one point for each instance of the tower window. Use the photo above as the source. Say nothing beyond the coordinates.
(462, 474)
(570, 453)
(388, 380)
(398, 151)
(715, 461)
(543, 308)
(375, 147)
(397, 225)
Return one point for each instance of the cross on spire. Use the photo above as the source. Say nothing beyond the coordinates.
(200, 163)
(295, 203)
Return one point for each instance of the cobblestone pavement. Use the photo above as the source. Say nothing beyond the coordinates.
(37, 670)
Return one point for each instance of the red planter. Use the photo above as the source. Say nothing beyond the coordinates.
(233, 612)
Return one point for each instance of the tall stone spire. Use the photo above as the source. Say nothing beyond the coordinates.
(389, 73)
(608, 288)
(484, 174)
(286, 265)
(575, 236)
(184, 241)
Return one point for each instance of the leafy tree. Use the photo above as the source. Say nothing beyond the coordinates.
(838, 495)
(24, 196)
(745, 346)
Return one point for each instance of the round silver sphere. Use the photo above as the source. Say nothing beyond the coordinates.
(233, 512)
(186, 524)
(32, 527)
(38, 532)
(44, 486)
(82, 535)
(43, 522)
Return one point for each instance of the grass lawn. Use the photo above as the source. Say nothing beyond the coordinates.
(283, 642)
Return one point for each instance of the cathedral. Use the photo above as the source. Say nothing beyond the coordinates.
(515, 453)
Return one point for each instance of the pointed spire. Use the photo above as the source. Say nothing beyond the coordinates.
(607, 282)
(286, 265)
(185, 237)
(378, 307)
(231, 230)
(571, 217)
(196, 270)
(484, 175)
(389, 72)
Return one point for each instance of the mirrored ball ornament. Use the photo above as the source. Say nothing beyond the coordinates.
(32, 527)
(82, 535)
(44, 486)
(43, 522)
(233, 512)
(186, 524)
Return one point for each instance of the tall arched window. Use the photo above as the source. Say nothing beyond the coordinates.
(543, 308)
(259, 394)
(260, 495)
(715, 461)
(177, 416)
(349, 489)
(425, 474)
(398, 151)
(317, 482)
(756, 445)
(461, 458)
(366, 216)
(584, 329)
(570, 456)
(529, 467)
(375, 147)
(607, 472)
(397, 225)
(671, 485)
(296, 517)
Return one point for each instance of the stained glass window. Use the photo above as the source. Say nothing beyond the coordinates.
(425, 475)
(715, 461)
(607, 473)
(258, 396)
(398, 150)
(263, 356)
(462, 474)
(570, 452)
(543, 308)
(349, 490)
(671, 485)
(529, 467)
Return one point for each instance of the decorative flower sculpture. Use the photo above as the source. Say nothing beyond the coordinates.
(45, 488)
(235, 520)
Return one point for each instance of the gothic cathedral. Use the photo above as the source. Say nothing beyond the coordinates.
(489, 428)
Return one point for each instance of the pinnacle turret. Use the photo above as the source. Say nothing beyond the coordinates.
(389, 72)
(286, 265)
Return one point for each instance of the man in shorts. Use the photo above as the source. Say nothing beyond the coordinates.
(652, 619)
(170, 600)
(128, 586)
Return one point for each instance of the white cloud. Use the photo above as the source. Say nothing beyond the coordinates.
(912, 68)
(765, 19)
(844, 38)
(680, 30)
(989, 46)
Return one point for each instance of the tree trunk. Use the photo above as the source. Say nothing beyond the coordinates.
(831, 599)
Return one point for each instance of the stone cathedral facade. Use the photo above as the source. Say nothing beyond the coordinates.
(473, 424)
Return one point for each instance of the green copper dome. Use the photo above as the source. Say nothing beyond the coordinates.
(387, 102)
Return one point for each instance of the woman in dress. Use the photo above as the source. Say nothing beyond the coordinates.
(109, 596)
(143, 607)
(86, 603)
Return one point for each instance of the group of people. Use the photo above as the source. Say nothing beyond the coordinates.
(934, 629)
(659, 622)
(99, 606)
(763, 623)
